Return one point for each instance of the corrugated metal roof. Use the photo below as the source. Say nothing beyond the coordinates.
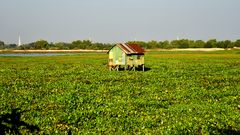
(131, 48)
(136, 48)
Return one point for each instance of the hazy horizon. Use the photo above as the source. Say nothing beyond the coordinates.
(110, 21)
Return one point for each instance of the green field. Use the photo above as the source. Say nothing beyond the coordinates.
(180, 93)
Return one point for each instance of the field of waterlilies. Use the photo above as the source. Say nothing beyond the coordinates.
(179, 93)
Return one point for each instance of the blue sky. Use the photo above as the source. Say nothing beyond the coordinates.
(118, 20)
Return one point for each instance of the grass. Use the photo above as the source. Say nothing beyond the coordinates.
(181, 93)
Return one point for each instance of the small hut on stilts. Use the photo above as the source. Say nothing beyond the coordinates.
(127, 56)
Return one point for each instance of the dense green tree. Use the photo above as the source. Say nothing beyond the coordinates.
(87, 44)
(1, 44)
(173, 44)
(153, 44)
(211, 43)
(183, 43)
(164, 44)
(225, 44)
(220, 44)
(41, 44)
(84, 44)
(77, 44)
(23, 47)
(29, 46)
(11, 46)
(191, 44)
(101, 46)
(237, 43)
(231, 45)
(198, 44)
(60, 46)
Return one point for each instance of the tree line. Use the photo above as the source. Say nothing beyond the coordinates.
(186, 43)
(87, 44)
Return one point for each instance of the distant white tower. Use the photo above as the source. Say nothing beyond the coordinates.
(19, 41)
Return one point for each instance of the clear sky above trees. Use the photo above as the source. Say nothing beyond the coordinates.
(118, 21)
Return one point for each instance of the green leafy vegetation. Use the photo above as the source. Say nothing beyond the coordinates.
(180, 93)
